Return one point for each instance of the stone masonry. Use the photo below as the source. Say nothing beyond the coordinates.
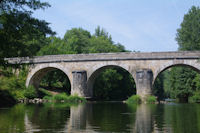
(82, 69)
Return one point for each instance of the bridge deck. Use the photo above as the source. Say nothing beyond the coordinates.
(105, 57)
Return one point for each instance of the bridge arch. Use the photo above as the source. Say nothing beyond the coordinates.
(194, 65)
(159, 90)
(96, 72)
(39, 71)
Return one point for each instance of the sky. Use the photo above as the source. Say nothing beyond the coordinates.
(139, 25)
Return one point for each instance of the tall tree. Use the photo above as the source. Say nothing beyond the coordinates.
(188, 35)
(20, 33)
(184, 80)
(77, 40)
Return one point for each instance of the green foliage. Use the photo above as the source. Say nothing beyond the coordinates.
(20, 33)
(56, 79)
(182, 82)
(114, 84)
(30, 92)
(76, 99)
(185, 81)
(14, 84)
(188, 35)
(44, 92)
(49, 98)
(77, 40)
(158, 88)
(151, 99)
(134, 99)
(195, 98)
(60, 97)
(55, 46)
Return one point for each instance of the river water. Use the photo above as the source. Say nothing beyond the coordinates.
(101, 117)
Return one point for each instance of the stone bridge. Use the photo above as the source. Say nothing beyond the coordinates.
(82, 69)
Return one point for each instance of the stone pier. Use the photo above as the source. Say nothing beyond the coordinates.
(144, 80)
(79, 83)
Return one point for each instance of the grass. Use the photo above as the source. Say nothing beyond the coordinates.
(64, 97)
(151, 99)
(134, 99)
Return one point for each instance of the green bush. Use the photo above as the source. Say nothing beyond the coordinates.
(195, 98)
(151, 99)
(133, 99)
(48, 97)
(30, 92)
(60, 97)
(76, 99)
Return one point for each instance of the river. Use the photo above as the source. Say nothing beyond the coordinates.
(101, 117)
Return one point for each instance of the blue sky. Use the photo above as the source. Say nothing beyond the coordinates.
(139, 25)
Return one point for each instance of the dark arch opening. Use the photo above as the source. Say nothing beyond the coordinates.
(178, 81)
(112, 83)
(52, 80)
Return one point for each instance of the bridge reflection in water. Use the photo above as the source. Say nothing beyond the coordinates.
(90, 117)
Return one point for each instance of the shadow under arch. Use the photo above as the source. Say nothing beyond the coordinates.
(98, 71)
(36, 76)
(161, 78)
(176, 65)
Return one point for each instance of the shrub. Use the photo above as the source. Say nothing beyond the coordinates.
(133, 99)
(195, 98)
(48, 97)
(76, 99)
(151, 99)
(30, 92)
(61, 96)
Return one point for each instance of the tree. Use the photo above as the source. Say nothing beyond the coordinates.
(20, 33)
(188, 35)
(184, 80)
(77, 40)
(55, 46)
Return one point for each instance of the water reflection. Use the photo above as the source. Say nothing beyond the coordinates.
(100, 117)
(143, 121)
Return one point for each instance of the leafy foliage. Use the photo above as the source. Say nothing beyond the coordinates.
(30, 93)
(188, 38)
(151, 99)
(188, 35)
(12, 83)
(20, 33)
(182, 82)
(134, 99)
(114, 84)
(158, 88)
(64, 97)
(195, 98)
